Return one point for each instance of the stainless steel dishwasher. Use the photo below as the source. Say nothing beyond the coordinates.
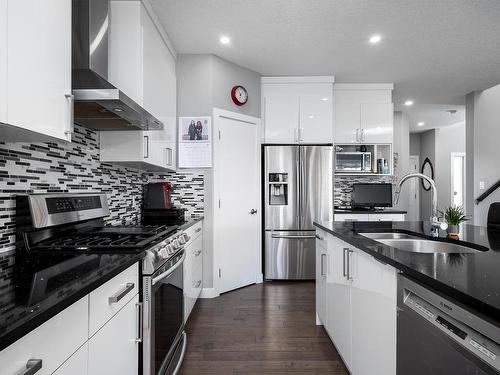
(437, 337)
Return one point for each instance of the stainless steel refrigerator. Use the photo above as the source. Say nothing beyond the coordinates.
(298, 189)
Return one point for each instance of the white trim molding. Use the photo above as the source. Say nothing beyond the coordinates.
(298, 79)
(363, 86)
(209, 293)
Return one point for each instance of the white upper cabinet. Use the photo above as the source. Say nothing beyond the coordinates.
(35, 67)
(143, 67)
(363, 113)
(297, 109)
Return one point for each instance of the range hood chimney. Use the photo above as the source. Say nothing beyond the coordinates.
(99, 104)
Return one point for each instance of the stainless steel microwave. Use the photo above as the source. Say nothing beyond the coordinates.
(353, 162)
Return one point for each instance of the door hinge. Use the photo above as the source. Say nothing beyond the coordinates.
(219, 203)
(220, 273)
(219, 135)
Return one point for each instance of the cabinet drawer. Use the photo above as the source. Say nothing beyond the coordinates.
(194, 231)
(350, 217)
(53, 342)
(110, 297)
(386, 217)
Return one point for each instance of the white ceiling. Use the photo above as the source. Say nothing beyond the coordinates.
(435, 51)
(434, 116)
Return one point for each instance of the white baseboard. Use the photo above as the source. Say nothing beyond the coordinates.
(209, 293)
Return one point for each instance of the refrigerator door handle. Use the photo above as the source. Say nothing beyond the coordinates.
(297, 192)
(293, 237)
(302, 189)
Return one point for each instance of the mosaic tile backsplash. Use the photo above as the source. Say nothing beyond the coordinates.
(75, 167)
(342, 188)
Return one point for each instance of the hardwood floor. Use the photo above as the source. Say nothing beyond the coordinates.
(261, 329)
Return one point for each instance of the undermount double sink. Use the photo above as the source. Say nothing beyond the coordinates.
(415, 244)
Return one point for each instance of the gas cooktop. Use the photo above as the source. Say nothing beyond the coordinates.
(105, 239)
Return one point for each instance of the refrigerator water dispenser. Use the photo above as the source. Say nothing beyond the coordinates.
(278, 189)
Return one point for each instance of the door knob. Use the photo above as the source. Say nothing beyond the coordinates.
(253, 211)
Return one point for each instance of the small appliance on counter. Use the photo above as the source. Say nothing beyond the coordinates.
(158, 208)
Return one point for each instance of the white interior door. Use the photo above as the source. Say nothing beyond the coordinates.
(458, 179)
(414, 201)
(237, 234)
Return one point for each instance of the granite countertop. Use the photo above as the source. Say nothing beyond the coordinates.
(190, 222)
(377, 211)
(472, 279)
(38, 289)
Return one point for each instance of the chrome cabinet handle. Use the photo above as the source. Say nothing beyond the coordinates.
(344, 272)
(197, 230)
(168, 156)
(139, 313)
(319, 237)
(197, 253)
(253, 211)
(145, 147)
(32, 366)
(362, 135)
(323, 256)
(349, 275)
(71, 101)
(357, 135)
(122, 293)
(198, 283)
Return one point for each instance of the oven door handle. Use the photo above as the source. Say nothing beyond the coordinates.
(169, 272)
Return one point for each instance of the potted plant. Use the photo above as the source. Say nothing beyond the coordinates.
(454, 216)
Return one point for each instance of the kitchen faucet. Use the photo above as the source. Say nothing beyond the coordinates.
(436, 224)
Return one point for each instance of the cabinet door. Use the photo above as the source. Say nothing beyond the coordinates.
(77, 364)
(39, 66)
(114, 349)
(338, 299)
(376, 122)
(316, 118)
(347, 118)
(321, 273)
(281, 119)
(373, 310)
(3, 61)
(197, 246)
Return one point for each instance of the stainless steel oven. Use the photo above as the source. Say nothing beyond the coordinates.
(164, 339)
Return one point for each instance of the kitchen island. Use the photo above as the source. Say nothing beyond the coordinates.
(357, 274)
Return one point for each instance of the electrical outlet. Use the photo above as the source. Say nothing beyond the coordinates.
(481, 185)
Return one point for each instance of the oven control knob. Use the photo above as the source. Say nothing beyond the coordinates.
(164, 253)
(175, 244)
(181, 240)
(170, 249)
(154, 255)
(186, 237)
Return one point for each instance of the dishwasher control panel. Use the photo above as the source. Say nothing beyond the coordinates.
(466, 336)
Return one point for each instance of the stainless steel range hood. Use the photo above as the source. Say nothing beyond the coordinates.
(99, 104)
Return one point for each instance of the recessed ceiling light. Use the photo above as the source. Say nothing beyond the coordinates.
(311, 116)
(374, 39)
(408, 103)
(325, 99)
(421, 123)
(224, 39)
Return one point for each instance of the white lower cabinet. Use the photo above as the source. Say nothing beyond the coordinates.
(321, 272)
(114, 348)
(77, 364)
(96, 335)
(360, 309)
(193, 268)
(51, 343)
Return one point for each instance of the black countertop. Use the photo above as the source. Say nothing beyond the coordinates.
(38, 289)
(471, 279)
(379, 211)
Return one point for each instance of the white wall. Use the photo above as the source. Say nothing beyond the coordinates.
(204, 81)
(427, 150)
(483, 143)
(402, 148)
(415, 140)
(448, 139)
